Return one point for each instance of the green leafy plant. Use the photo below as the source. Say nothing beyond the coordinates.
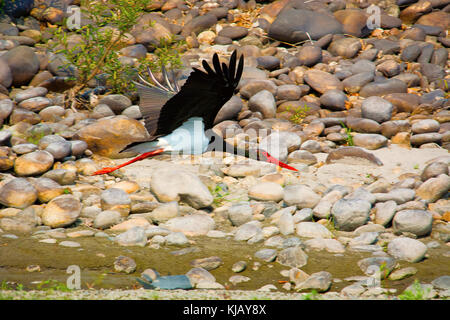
(313, 295)
(416, 293)
(100, 42)
(298, 114)
(348, 135)
(52, 285)
(219, 195)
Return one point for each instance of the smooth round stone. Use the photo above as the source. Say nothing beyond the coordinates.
(30, 93)
(442, 283)
(124, 264)
(382, 88)
(402, 273)
(312, 146)
(407, 249)
(350, 214)
(267, 255)
(233, 32)
(289, 92)
(33, 163)
(48, 139)
(117, 200)
(164, 212)
(263, 102)
(61, 176)
(229, 110)
(78, 147)
(192, 225)
(169, 185)
(399, 195)
(385, 211)
(116, 102)
(176, 239)
(286, 223)
(434, 169)
(334, 100)
(137, 51)
(391, 128)
(47, 189)
(434, 188)
(35, 104)
(363, 66)
(59, 150)
(302, 156)
(423, 138)
(377, 109)
(363, 125)
(432, 71)
(371, 141)
(309, 55)
(61, 211)
(330, 245)
(268, 62)
(198, 275)
(425, 126)
(353, 84)
(313, 230)
(106, 219)
(252, 87)
(222, 40)
(275, 241)
(239, 266)
(322, 81)
(103, 110)
(314, 129)
(301, 196)
(23, 63)
(366, 238)
(293, 257)
(52, 113)
(366, 265)
(206, 37)
(411, 53)
(345, 47)
(389, 68)
(209, 263)
(132, 112)
(247, 231)
(24, 148)
(6, 107)
(135, 236)
(266, 191)
(319, 281)
(70, 244)
(239, 214)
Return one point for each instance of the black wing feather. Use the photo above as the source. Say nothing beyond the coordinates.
(202, 95)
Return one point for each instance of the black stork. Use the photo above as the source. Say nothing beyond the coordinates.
(179, 119)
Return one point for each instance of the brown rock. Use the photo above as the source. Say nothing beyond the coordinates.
(33, 163)
(109, 136)
(61, 211)
(322, 81)
(352, 152)
(18, 193)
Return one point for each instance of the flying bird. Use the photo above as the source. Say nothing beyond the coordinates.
(180, 119)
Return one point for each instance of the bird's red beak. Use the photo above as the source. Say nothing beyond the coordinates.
(273, 160)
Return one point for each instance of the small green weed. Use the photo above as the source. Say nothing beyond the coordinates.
(416, 293)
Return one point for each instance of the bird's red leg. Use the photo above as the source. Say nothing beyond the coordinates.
(277, 162)
(138, 158)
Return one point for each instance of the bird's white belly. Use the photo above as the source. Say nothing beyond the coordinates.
(189, 138)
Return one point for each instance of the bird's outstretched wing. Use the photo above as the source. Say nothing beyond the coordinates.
(202, 95)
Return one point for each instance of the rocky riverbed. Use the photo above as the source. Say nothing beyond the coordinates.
(362, 113)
